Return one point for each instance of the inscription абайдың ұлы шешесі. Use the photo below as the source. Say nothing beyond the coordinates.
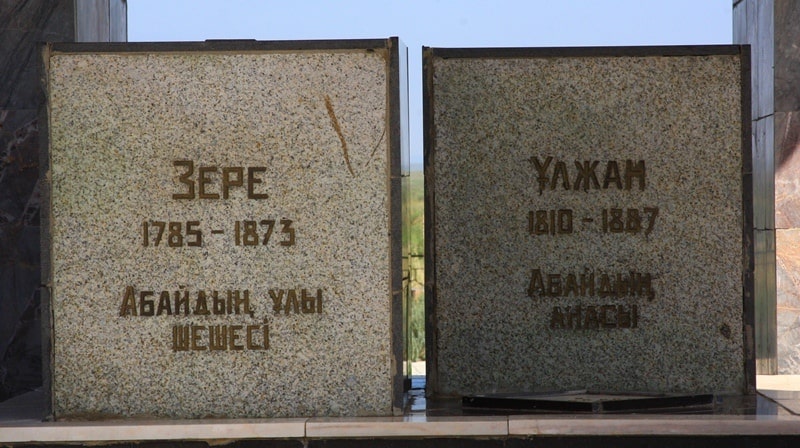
(215, 183)
(252, 270)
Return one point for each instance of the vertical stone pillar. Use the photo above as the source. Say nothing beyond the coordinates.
(24, 24)
(787, 182)
(770, 26)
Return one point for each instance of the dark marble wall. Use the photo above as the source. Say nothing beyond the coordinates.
(23, 24)
(101, 21)
(771, 27)
(753, 24)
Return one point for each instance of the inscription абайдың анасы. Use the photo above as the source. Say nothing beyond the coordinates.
(217, 183)
(582, 176)
(587, 206)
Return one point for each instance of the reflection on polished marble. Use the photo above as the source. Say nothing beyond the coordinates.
(793, 405)
(781, 394)
(631, 425)
(783, 389)
(774, 411)
(407, 426)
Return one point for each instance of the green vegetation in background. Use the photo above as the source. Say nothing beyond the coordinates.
(416, 338)
(415, 240)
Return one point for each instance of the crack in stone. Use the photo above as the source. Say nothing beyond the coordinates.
(377, 145)
(338, 129)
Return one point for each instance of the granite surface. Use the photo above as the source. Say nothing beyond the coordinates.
(526, 165)
(300, 142)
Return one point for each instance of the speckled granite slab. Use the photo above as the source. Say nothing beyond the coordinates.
(590, 220)
(224, 228)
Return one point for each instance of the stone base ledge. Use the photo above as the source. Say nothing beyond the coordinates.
(397, 427)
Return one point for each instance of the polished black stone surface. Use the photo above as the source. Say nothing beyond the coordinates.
(764, 403)
(591, 402)
(23, 25)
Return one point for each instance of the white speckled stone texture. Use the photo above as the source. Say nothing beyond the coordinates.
(682, 117)
(117, 123)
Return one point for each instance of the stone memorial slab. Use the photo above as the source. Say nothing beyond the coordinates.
(223, 228)
(589, 220)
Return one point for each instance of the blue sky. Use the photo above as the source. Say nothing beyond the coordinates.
(438, 23)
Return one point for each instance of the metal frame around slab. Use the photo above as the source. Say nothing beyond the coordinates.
(429, 128)
(397, 124)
